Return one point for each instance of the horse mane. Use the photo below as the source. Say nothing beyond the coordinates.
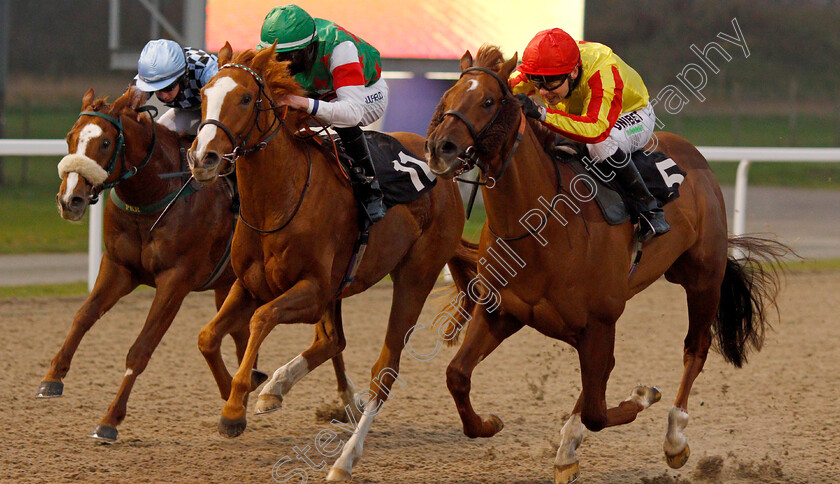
(278, 80)
(490, 57)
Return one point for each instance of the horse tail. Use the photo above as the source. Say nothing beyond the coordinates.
(464, 268)
(749, 289)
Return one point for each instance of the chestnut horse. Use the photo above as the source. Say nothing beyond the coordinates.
(302, 222)
(120, 146)
(567, 276)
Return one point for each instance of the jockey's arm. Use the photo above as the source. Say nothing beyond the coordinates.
(600, 112)
(349, 84)
(601, 109)
(210, 69)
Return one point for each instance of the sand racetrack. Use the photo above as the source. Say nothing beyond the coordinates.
(773, 421)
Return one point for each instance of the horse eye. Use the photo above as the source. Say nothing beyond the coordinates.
(488, 102)
(246, 99)
(105, 144)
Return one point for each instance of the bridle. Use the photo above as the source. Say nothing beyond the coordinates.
(469, 158)
(238, 142)
(119, 150)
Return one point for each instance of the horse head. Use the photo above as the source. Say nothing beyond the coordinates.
(475, 117)
(235, 110)
(94, 144)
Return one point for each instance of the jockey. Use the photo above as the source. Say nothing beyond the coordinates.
(592, 97)
(341, 72)
(176, 76)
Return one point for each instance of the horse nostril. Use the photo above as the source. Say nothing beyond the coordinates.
(448, 149)
(210, 160)
(77, 202)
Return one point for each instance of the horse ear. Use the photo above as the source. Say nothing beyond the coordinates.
(509, 65)
(466, 61)
(135, 98)
(225, 54)
(88, 98)
(263, 57)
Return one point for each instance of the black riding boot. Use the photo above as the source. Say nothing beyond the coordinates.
(651, 217)
(355, 145)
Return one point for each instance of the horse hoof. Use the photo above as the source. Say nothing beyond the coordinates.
(231, 428)
(657, 395)
(268, 403)
(497, 423)
(338, 475)
(50, 389)
(104, 433)
(257, 379)
(678, 460)
(566, 474)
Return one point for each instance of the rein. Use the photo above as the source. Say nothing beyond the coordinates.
(297, 207)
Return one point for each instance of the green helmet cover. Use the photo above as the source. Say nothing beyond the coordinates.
(290, 26)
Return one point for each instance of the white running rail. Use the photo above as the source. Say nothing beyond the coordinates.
(743, 155)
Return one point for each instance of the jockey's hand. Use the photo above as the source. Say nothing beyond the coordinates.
(295, 102)
(530, 108)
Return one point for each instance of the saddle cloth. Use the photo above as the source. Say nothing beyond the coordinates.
(659, 172)
(402, 176)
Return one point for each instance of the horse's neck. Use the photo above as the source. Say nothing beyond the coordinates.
(272, 181)
(146, 186)
(530, 177)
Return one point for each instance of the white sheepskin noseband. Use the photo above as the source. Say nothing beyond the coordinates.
(84, 166)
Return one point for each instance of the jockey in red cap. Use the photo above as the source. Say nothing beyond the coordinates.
(589, 95)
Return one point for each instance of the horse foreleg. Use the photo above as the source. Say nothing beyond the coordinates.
(113, 282)
(485, 333)
(169, 295)
(595, 352)
(300, 304)
(329, 342)
(697, 342)
(232, 318)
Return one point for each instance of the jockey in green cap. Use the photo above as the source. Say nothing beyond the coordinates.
(342, 74)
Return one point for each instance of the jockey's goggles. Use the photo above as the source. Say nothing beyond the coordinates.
(549, 83)
(171, 86)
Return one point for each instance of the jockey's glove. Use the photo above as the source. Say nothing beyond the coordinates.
(530, 108)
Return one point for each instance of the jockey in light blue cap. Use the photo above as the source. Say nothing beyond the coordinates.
(176, 76)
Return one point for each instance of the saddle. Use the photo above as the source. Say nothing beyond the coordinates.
(659, 172)
(402, 177)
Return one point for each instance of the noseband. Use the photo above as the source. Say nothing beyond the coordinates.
(469, 158)
(238, 142)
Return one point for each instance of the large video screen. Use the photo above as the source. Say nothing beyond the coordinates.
(410, 29)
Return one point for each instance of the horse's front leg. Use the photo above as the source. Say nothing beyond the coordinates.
(169, 295)
(329, 343)
(484, 334)
(595, 352)
(302, 303)
(113, 282)
(233, 317)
